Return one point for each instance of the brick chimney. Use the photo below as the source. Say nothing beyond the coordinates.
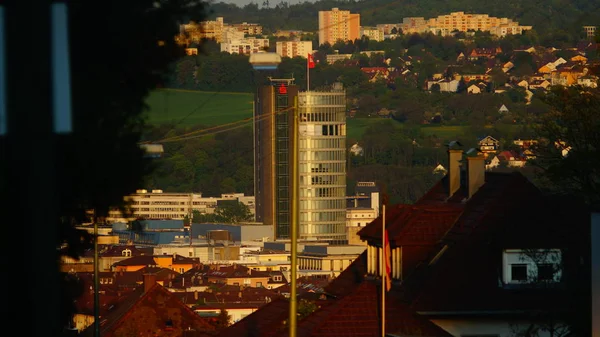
(196, 295)
(149, 281)
(454, 159)
(475, 171)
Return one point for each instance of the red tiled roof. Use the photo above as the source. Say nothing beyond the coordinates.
(186, 260)
(142, 260)
(265, 322)
(146, 312)
(359, 314)
(506, 212)
(413, 224)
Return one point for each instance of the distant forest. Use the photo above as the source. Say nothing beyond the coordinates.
(553, 20)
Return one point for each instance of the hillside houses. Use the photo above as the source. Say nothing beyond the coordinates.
(550, 67)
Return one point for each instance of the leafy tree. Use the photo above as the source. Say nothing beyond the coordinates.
(569, 143)
(227, 212)
(223, 320)
(305, 308)
(234, 212)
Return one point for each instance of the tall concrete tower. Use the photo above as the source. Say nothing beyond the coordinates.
(273, 115)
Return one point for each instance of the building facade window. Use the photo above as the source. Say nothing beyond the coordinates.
(531, 266)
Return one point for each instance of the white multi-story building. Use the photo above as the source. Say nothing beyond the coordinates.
(231, 34)
(373, 33)
(159, 205)
(461, 21)
(590, 31)
(245, 46)
(293, 48)
(363, 208)
(322, 164)
(217, 30)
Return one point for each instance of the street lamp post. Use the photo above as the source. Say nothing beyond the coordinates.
(269, 62)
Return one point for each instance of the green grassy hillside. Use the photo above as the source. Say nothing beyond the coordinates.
(187, 107)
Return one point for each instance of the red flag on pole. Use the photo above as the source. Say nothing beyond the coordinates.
(387, 254)
(311, 61)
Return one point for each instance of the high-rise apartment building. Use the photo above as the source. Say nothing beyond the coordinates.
(322, 164)
(336, 25)
(321, 156)
(293, 48)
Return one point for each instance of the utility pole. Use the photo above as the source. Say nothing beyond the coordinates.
(96, 283)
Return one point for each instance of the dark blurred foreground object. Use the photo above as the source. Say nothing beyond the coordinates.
(52, 173)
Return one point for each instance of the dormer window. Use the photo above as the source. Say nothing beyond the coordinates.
(531, 266)
(126, 252)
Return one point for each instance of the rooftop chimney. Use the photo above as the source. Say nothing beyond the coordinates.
(454, 158)
(149, 281)
(475, 171)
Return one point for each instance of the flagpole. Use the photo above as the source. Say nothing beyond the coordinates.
(383, 272)
(308, 73)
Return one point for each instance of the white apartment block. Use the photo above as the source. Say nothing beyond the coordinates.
(333, 58)
(215, 29)
(327, 260)
(590, 31)
(159, 205)
(245, 46)
(373, 33)
(293, 48)
(212, 29)
(356, 219)
(459, 21)
(231, 34)
(390, 28)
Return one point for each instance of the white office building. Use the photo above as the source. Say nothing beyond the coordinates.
(322, 164)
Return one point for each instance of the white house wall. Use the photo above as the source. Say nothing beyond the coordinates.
(483, 327)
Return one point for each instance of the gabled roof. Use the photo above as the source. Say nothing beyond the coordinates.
(236, 271)
(490, 138)
(412, 224)
(518, 219)
(265, 322)
(360, 311)
(150, 310)
(141, 260)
